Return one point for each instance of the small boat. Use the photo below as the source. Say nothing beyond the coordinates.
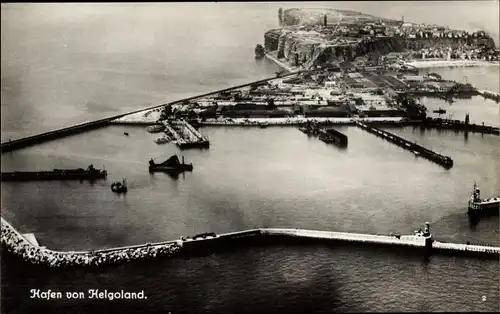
(155, 128)
(126, 133)
(172, 165)
(260, 52)
(416, 153)
(440, 111)
(119, 187)
(162, 140)
(263, 124)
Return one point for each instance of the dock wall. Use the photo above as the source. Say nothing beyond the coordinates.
(52, 135)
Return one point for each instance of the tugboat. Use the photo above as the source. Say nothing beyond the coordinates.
(480, 206)
(440, 111)
(260, 52)
(119, 187)
(171, 165)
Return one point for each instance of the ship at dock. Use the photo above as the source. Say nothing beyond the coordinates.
(171, 165)
(332, 136)
(57, 174)
(478, 206)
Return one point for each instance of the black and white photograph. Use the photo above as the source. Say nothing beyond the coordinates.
(250, 157)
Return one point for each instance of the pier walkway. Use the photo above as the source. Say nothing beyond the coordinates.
(405, 240)
(451, 247)
(79, 128)
(418, 150)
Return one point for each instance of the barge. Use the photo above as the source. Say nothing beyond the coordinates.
(478, 206)
(57, 174)
(171, 165)
(332, 136)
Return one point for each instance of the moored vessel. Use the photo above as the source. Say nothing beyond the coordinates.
(57, 174)
(155, 128)
(332, 136)
(162, 140)
(482, 206)
(172, 165)
(259, 52)
(440, 111)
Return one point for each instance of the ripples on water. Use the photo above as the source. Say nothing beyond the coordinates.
(294, 279)
(51, 77)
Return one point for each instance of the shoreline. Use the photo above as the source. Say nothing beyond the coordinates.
(425, 64)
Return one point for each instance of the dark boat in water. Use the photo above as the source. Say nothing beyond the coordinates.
(57, 174)
(478, 206)
(440, 111)
(260, 52)
(171, 165)
(119, 187)
(310, 128)
(332, 136)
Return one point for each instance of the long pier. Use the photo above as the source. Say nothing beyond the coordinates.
(32, 252)
(79, 128)
(418, 150)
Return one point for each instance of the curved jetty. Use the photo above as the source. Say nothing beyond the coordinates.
(18, 244)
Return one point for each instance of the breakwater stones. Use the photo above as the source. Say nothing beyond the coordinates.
(17, 244)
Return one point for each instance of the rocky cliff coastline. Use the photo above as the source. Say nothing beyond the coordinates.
(311, 37)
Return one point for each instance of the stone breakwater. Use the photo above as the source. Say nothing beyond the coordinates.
(14, 242)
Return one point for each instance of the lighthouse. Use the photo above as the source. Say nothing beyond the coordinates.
(428, 235)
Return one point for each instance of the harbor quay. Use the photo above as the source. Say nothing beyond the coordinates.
(333, 92)
(27, 247)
